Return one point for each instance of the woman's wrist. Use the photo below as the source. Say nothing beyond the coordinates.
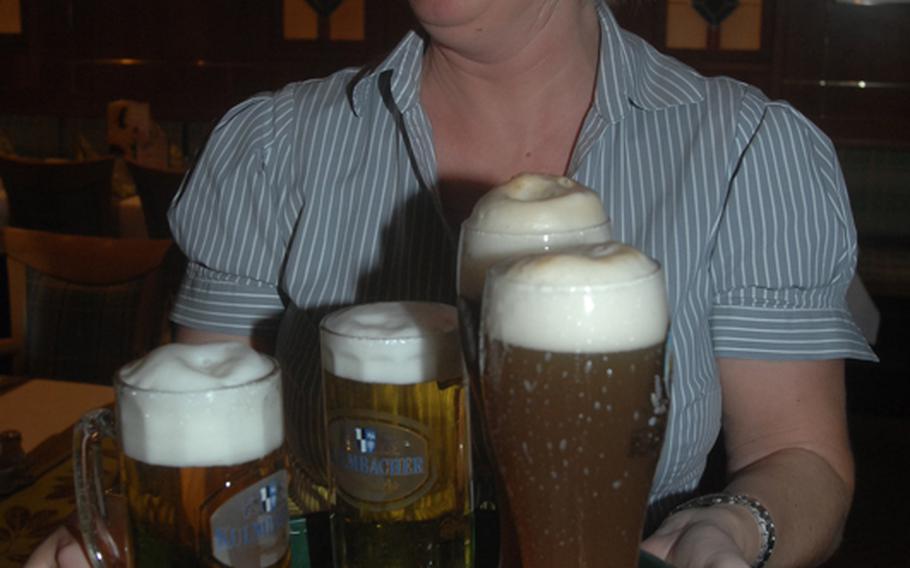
(748, 523)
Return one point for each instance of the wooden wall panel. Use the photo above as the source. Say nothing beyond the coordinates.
(191, 60)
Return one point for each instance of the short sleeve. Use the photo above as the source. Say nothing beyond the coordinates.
(234, 218)
(786, 247)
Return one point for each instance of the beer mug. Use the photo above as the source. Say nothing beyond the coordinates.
(576, 398)
(531, 213)
(200, 435)
(397, 426)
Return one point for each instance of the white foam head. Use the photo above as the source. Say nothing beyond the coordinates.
(591, 299)
(200, 405)
(392, 343)
(529, 213)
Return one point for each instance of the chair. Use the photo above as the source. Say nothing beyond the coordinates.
(156, 188)
(81, 307)
(62, 196)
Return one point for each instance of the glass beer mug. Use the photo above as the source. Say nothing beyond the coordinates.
(200, 436)
(576, 398)
(397, 424)
(531, 213)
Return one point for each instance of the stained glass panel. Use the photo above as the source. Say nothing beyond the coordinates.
(299, 20)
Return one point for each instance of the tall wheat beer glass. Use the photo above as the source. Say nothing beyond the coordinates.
(201, 435)
(531, 213)
(575, 396)
(398, 436)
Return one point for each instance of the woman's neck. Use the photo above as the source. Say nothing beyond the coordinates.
(513, 69)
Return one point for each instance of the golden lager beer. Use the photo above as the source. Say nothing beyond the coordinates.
(531, 213)
(203, 465)
(397, 424)
(576, 399)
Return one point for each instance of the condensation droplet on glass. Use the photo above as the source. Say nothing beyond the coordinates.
(563, 444)
(586, 471)
(636, 415)
(617, 484)
(554, 475)
(597, 405)
(588, 366)
(529, 385)
(652, 421)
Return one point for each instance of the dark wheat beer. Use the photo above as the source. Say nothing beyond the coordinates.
(531, 213)
(575, 399)
(397, 426)
(203, 462)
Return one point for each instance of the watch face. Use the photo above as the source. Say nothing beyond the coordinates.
(715, 11)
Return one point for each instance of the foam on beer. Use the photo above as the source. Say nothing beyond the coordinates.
(537, 203)
(589, 299)
(200, 405)
(529, 212)
(392, 343)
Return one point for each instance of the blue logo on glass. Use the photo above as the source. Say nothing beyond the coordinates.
(268, 497)
(366, 440)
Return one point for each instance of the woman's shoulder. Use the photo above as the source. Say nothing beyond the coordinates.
(268, 117)
(299, 98)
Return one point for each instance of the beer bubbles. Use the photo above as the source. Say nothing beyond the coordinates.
(574, 396)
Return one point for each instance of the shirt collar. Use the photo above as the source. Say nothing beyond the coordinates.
(405, 61)
(631, 72)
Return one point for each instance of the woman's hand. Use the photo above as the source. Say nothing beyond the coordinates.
(712, 537)
(60, 549)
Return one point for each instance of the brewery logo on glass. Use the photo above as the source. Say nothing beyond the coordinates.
(251, 528)
(380, 460)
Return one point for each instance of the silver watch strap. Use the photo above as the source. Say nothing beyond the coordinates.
(759, 513)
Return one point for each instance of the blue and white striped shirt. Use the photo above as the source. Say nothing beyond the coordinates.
(306, 200)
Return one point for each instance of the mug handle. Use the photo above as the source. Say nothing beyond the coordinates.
(93, 511)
